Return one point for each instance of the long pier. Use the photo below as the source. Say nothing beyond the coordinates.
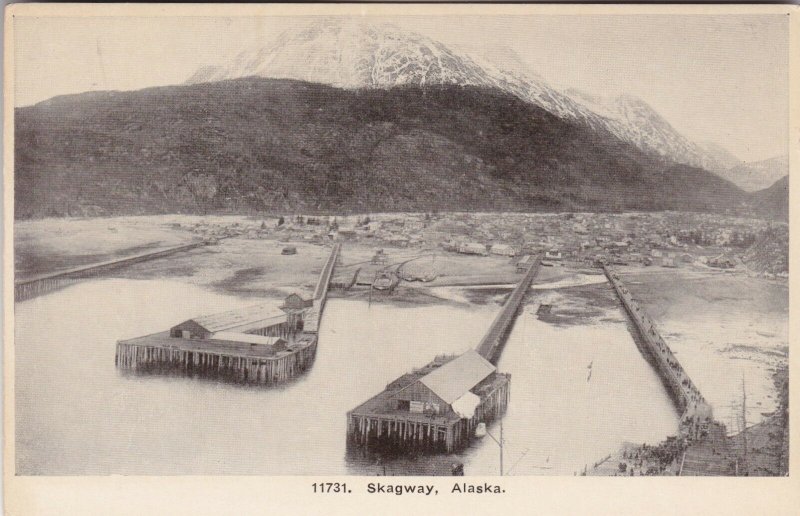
(41, 284)
(492, 343)
(438, 407)
(314, 315)
(250, 345)
(696, 413)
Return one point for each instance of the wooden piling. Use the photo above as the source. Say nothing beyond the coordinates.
(35, 286)
(404, 431)
(696, 412)
(255, 370)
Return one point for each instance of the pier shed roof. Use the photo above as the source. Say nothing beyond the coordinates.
(455, 378)
(248, 338)
(240, 318)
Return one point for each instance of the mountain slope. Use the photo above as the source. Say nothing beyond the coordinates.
(633, 120)
(722, 156)
(260, 144)
(358, 54)
(773, 201)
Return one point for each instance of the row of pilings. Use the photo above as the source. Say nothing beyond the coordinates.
(157, 359)
(696, 412)
(33, 287)
(397, 433)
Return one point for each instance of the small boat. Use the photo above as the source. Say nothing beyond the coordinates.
(480, 430)
(383, 282)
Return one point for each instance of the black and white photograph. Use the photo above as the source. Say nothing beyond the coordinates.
(398, 244)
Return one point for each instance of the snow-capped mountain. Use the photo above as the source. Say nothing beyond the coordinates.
(356, 54)
(633, 120)
(757, 175)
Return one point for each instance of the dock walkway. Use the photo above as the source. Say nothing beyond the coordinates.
(492, 343)
(37, 285)
(696, 412)
(314, 315)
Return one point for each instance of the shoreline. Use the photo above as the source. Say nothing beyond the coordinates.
(767, 448)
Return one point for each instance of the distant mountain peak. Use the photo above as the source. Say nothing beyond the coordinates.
(758, 175)
(724, 157)
(351, 53)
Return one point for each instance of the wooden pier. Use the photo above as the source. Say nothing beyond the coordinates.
(313, 317)
(259, 344)
(215, 358)
(436, 408)
(492, 343)
(414, 412)
(41, 284)
(697, 417)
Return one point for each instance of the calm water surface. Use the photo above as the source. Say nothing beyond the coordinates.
(77, 414)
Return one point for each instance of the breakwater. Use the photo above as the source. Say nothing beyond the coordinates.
(41, 284)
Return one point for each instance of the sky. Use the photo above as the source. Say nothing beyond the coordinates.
(716, 78)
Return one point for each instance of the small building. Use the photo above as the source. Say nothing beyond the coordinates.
(263, 319)
(553, 255)
(446, 390)
(503, 250)
(379, 258)
(398, 241)
(346, 233)
(295, 302)
(722, 262)
(450, 245)
(473, 248)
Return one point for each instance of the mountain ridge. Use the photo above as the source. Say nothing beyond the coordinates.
(281, 145)
(773, 201)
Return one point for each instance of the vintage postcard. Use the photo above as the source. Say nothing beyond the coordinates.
(347, 255)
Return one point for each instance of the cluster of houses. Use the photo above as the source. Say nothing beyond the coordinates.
(667, 239)
(479, 249)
